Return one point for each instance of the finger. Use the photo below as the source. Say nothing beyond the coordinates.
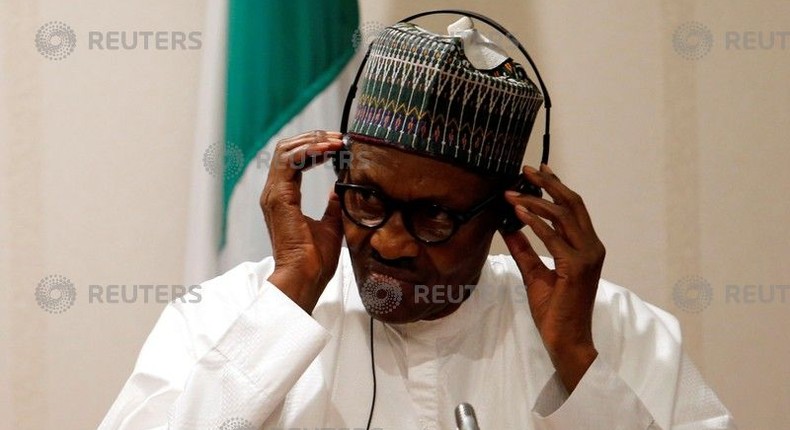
(315, 137)
(527, 260)
(277, 191)
(311, 154)
(332, 213)
(548, 181)
(562, 219)
(281, 197)
(555, 243)
(310, 136)
(313, 160)
(281, 205)
(560, 193)
(286, 163)
(328, 234)
(330, 226)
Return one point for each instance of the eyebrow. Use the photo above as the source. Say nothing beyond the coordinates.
(440, 200)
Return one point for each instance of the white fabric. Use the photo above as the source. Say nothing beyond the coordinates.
(246, 352)
(481, 51)
(204, 218)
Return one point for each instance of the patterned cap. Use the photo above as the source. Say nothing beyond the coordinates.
(420, 92)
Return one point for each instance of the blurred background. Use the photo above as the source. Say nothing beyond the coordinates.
(670, 118)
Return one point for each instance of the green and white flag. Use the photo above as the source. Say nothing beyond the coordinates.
(271, 69)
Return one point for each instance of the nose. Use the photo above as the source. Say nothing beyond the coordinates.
(393, 241)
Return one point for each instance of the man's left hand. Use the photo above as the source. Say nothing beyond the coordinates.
(561, 300)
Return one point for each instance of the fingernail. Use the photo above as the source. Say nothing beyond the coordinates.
(530, 169)
(511, 193)
(546, 168)
(522, 209)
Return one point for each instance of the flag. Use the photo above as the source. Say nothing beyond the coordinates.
(270, 70)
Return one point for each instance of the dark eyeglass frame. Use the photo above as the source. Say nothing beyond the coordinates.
(406, 208)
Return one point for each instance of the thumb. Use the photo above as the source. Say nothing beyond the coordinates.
(333, 217)
(527, 260)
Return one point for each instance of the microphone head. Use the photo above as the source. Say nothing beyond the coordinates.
(465, 417)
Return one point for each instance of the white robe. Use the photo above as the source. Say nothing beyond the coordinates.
(247, 357)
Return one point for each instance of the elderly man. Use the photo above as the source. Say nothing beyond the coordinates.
(415, 317)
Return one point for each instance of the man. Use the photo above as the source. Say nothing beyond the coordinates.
(415, 317)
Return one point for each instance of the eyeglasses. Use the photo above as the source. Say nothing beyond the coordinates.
(426, 221)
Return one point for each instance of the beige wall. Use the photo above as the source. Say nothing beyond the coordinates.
(683, 165)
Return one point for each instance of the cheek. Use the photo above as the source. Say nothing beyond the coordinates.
(355, 235)
(477, 235)
(460, 261)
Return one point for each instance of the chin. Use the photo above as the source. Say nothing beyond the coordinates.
(390, 318)
(398, 316)
(389, 300)
(382, 296)
(403, 313)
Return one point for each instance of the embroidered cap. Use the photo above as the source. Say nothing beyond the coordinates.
(419, 91)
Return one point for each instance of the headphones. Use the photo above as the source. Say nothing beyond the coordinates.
(510, 222)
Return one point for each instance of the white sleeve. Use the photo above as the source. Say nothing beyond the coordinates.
(602, 400)
(241, 379)
(696, 405)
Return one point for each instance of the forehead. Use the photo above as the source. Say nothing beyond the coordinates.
(407, 176)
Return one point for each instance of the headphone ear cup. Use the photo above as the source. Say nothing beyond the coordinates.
(510, 221)
(523, 186)
(532, 189)
(511, 224)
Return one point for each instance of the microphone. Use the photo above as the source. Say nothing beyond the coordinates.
(465, 417)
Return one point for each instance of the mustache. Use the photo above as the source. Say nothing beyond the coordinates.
(402, 263)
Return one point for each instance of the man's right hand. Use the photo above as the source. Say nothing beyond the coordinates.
(306, 251)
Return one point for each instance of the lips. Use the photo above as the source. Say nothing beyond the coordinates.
(403, 276)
